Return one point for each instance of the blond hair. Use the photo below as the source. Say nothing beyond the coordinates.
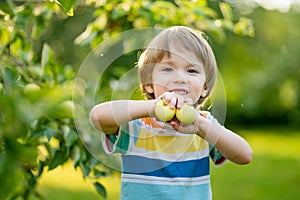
(186, 38)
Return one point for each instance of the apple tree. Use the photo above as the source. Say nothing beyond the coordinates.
(37, 129)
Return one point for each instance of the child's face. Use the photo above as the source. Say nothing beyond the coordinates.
(184, 75)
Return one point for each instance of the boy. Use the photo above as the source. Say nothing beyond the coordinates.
(169, 160)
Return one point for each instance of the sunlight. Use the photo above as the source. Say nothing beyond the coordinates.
(271, 143)
(283, 6)
(280, 5)
(69, 181)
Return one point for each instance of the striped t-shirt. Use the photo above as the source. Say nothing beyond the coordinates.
(161, 163)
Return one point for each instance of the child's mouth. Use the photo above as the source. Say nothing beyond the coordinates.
(179, 92)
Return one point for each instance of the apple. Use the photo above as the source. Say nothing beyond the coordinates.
(186, 114)
(163, 111)
(66, 109)
(32, 92)
(62, 110)
(31, 88)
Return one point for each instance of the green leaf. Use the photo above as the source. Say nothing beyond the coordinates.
(100, 189)
(67, 6)
(118, 13)
(79, 156)
(86, 37)
(76, 156)
(85, 170)
(40, 168)
(226, 11)
(49, 133)
(10, 76)
(244, 27)
(25, 154)
(99, 174)
(45, 56)
(70, 136)
(5, 35)
(60, 157)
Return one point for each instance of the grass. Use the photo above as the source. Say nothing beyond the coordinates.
(274, 173)
(66, 183)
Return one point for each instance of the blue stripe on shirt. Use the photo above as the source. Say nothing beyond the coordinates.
(133, 164)
(136, 191)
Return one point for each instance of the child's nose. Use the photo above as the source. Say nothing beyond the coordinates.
(180, 77)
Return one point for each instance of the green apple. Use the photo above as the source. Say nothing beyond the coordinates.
(62, 110)
(186, 114)
(31, 88)
(32, 92)
(163, 111)
(66, 109)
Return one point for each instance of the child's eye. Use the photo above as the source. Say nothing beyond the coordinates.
(167, 69)
(192, 70)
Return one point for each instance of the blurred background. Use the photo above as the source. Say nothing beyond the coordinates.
(44, 43)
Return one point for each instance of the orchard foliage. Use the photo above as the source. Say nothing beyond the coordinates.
(37, 130)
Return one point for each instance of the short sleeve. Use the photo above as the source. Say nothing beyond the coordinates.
(117, 143)
(217, 158)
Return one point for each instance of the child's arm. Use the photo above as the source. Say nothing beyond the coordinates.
(229, 144)
(108, 116)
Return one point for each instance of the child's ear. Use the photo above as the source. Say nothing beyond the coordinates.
(204, 91)
(149, 88)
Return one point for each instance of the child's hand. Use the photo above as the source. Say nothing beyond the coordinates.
(170, 99)
(176, 110)
(173, 100)
(186, 128)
